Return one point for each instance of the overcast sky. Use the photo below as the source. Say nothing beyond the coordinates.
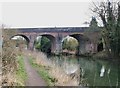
(45, 14)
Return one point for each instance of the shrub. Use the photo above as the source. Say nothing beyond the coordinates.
(9, 64)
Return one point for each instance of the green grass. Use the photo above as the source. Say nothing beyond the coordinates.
(43, 73)
(21, 73)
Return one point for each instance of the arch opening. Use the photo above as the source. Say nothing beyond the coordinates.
(44, 43)
(100, 47)
(69, 45)
(21, 41)
(83, 46)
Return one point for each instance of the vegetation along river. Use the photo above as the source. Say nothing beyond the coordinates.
(95, 72)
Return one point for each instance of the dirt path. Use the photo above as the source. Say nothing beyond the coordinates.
(33, 77)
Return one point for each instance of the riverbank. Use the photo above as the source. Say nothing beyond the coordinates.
(42, 71)
(90, 69)
(57, 76)
(64, 70)
(102, 55)
(99, 55)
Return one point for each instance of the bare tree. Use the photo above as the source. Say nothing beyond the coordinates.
(109, 13)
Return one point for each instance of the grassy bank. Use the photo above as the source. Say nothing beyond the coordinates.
(42, 70)
(21, 74)
(103, 55)
(51, 73)
(100, 55)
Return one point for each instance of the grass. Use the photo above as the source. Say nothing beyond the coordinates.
(49, 71)
(43, 73)
(21, 73)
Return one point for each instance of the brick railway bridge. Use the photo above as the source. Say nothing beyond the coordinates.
(56, 36)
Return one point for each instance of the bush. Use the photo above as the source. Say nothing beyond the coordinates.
(9, 64)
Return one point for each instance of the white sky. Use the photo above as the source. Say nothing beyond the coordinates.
(45, 14)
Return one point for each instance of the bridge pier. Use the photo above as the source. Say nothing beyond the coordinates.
(58, 44)
(58, 49)
(82, 47)
(53, 47)
(31, 46)
(94, 47)
(86, 47)
(31, 42)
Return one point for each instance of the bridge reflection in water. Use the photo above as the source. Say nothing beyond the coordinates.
(95, 72)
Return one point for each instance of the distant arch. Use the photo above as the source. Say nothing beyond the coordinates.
(24, 36)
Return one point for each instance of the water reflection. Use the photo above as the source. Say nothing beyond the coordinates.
(70, 68)
(102, 71)
(95, 72)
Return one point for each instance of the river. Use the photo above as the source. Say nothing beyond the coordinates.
(95, 72)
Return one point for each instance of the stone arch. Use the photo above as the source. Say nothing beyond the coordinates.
(24, 36)
(52, 39)
(83, 43)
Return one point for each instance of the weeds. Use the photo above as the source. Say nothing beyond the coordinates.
(9, 60)
(58, 76)
(43, 73)
(9, 64)
(20, 72)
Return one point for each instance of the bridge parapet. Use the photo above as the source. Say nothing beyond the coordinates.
(59, 29)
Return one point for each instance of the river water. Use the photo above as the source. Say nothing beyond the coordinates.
(95, 72)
